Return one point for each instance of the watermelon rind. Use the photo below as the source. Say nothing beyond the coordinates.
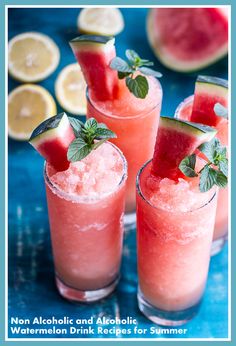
(54, 126)
(203, 132)
(212, 86)
(212, 80)
(173, 63)
(92, 42)
(177, 139)
(94, 54)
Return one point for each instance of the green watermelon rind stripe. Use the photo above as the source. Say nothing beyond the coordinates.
(92, 42)
(48, 129)
(195, 129)
(214, 90)
(213, 81)
(92, 39)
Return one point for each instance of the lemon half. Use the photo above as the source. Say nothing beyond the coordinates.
(32, 57)
(28, 106)
(100, 21)
(70, 89)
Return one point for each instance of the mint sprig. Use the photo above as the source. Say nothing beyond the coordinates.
(215, 172)
(89, 136)
(126, 69)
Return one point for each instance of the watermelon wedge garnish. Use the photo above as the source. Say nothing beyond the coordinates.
(94, 54)
(52, 139)
(188, 39)
(208, 92)
(177, 139)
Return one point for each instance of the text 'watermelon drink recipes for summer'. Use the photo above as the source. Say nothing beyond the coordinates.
(126, 96)
(201, 108)
(176, 206)
(85, 181)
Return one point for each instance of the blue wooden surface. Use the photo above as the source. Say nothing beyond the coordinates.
(32, 289)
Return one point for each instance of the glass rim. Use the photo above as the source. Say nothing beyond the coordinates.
(117, 116)
(185, 101)
(140, 193)
(86, 199)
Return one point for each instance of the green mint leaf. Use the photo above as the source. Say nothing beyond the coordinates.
(150, 72)
(221, 111)
(187, 166)
(102, 133)
(145, 62)
(207, 179)
(220, 179)
(120, 65)
(76, 124)
(213, 149)
(221, 153)
(218, 154)
(132, 56)
(78, 150)
(101, 126)
(208, 149)
(138, 86)
(122, 75)
(223, 166)
(91, 125)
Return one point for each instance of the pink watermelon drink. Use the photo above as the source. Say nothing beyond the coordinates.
(134, 118)
(86, 206)
(175, 222)
(200, 108)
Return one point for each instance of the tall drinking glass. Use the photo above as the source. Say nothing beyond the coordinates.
(135, 122)
(175, 225)
(183, 112)
(86, 208)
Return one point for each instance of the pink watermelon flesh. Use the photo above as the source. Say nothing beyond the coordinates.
(208, 92)
(52, 139)
(177, 139)
(188, 39)
(94, 54)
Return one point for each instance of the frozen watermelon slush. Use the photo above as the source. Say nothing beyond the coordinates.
(184, 112)
(175, 224)
(133, 119)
